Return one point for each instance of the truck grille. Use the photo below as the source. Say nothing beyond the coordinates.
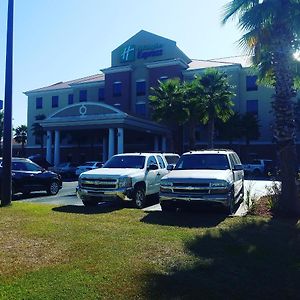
(195, 188)
(99, 184)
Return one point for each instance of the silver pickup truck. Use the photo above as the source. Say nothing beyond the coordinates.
(212, 176)
(125, 177)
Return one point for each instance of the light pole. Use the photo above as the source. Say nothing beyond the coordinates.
(7, 129)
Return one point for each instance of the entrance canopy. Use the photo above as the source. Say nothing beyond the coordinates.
(91, 115)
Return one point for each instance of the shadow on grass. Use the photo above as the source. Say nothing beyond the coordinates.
(76, 209)
(253, 260)
(185, 218)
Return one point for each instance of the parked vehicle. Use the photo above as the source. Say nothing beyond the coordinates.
(211, 176)
(171, 158)
(40, 160)
(89, 165)
(259, 167)
(28, 177)
(66, 169)
(125, 177)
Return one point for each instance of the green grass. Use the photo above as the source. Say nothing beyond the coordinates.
(70, 252)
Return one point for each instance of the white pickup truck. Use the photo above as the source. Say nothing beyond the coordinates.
(125, 177)
(210, 176)
(259, 167)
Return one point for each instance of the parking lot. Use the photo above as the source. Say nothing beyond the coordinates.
(67, 195)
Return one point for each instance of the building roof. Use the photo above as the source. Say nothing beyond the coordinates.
(68, 84)
(244, 61)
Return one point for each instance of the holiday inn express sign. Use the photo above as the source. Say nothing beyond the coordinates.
(131, 52)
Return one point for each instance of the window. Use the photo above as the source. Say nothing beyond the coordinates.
(101, 94)
(83, 95)
(251, 83)
(140, 109)
(54, 101)
(151, 161)
(39, 103)
(252, 107)
(117, 89)
(70, 99)
(160, 162)
(141, 88)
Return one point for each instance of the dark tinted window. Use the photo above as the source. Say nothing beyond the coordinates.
(70, 99)
(39, 103)
(171, 159)
(203, 162)
(251, 83)
(32, 167)
(117, 89)
(141, 88)
(101, 94)
(126, 161)
(83, 95)
(252, 106)
(140, 109)
(54, 101)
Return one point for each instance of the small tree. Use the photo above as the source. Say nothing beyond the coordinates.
(21, 136)
(216, 100)
(38, 131)
(169, 108)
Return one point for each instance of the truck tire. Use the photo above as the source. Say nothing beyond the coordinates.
(231, 204)
(139, 197)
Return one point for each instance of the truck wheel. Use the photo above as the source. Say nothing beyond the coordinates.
(168, 206)
(53, 188)
(139, 197)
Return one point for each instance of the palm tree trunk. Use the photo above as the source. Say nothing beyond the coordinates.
(211, 133)
(284, 128)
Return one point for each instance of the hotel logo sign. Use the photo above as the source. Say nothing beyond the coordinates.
(130, 53)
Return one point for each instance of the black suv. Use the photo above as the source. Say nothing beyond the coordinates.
(28, 177)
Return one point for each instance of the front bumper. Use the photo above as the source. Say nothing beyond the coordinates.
(223, 199)
(124, 194)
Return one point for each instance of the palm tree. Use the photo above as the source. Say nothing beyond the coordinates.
(38, 131)
(216, 97)
(271, 35)
(21, 136)
(168, 107)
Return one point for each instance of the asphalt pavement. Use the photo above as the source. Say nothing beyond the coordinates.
(67, 195)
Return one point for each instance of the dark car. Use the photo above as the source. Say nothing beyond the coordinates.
(40, 160)
(28, 177)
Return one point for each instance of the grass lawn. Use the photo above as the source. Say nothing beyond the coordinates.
(70, 252)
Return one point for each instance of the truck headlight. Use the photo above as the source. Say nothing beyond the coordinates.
(125, 182)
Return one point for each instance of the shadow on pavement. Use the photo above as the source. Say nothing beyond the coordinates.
(98, 209)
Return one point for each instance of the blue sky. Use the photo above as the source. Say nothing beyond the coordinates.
(59, 40)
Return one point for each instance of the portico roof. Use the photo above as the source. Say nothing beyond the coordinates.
(91, 115)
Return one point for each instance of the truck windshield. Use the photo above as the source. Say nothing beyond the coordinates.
(123, 161)
(203, 162)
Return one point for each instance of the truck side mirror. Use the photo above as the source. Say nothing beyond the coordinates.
(170, 167)
(152, 167)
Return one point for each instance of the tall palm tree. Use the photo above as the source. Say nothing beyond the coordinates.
(271, 34)
(21, 136)
(168, 107)
(38, 131)
(216, 97)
